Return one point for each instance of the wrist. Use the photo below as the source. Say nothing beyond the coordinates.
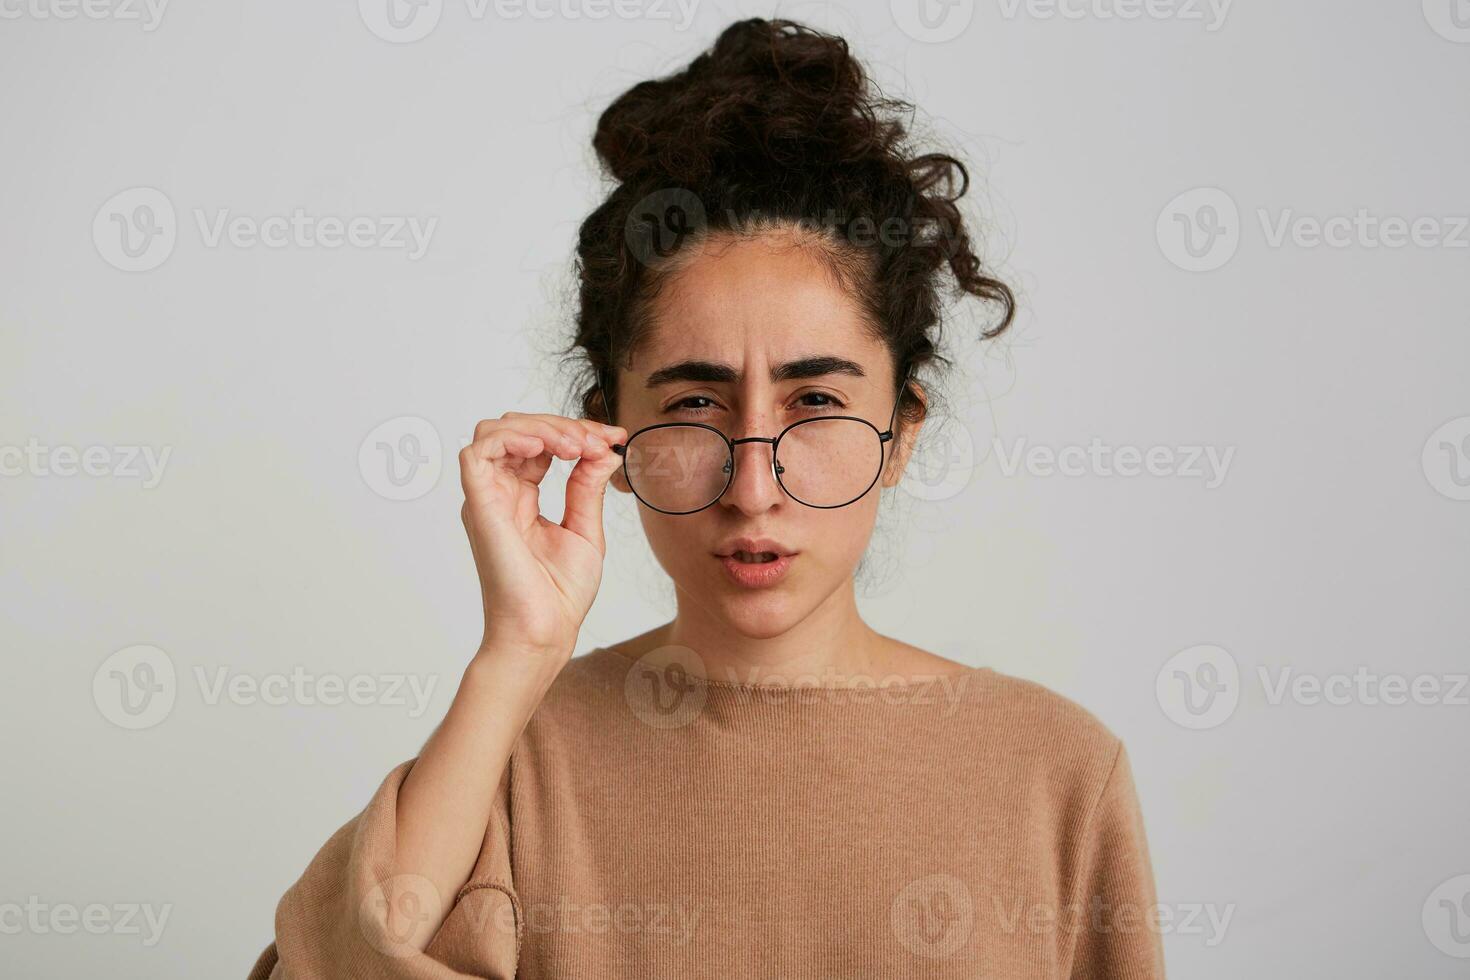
(518, 663)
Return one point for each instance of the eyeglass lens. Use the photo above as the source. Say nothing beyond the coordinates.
(823, 462)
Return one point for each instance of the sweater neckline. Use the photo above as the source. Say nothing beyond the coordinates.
(802, 682)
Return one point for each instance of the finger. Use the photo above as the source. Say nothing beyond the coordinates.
(615, 435)
(575, 430)
(479, 458)
(610, 433)
(560, 440)
(586, 488)
(576, 427)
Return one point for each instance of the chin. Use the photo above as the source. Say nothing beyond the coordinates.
(762, 614)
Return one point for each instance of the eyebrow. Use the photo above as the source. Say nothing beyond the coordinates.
(714, 372)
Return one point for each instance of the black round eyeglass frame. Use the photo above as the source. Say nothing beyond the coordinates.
(775, 442)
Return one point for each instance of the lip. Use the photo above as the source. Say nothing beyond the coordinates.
(757, 575)
(754, 545)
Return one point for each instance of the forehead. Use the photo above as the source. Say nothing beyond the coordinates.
(762, 300)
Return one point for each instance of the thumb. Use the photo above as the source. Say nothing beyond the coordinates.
(586, 487)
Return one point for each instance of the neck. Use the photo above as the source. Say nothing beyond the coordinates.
(831, 642)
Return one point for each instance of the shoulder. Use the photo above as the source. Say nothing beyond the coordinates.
(1045, 740)
(1036, 711)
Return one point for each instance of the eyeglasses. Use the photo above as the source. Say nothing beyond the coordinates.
(825, 462)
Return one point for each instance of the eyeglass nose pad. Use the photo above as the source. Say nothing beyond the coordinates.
(726, 468)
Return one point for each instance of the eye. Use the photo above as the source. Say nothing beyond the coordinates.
(819, 399)
(691, 403)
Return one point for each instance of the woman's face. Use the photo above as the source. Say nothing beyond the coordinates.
(751, 335)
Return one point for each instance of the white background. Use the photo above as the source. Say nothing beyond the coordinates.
(1335, 540)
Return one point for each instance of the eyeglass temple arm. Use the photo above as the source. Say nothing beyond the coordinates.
(893, 417)
(622, 447)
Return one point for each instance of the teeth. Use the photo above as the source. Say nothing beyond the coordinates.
(760, 557)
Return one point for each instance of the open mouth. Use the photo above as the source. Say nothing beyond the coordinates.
(754, 557)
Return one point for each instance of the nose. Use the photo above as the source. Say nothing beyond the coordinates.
(753, 489)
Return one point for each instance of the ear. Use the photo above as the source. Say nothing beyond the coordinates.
(905, 436)
(619, 480)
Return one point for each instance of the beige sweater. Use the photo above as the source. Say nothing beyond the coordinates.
(656, 825)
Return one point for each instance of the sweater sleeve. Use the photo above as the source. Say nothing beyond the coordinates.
(334, 923)
(1116, 930)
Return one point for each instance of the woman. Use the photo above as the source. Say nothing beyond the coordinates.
(765, 785)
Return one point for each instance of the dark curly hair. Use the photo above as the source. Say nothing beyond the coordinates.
(777, 124)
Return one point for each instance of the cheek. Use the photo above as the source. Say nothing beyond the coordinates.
(839, 537)
(677, 542)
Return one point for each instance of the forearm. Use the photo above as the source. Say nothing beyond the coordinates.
(445, 801)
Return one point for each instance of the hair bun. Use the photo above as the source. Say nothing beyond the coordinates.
(769, 95)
